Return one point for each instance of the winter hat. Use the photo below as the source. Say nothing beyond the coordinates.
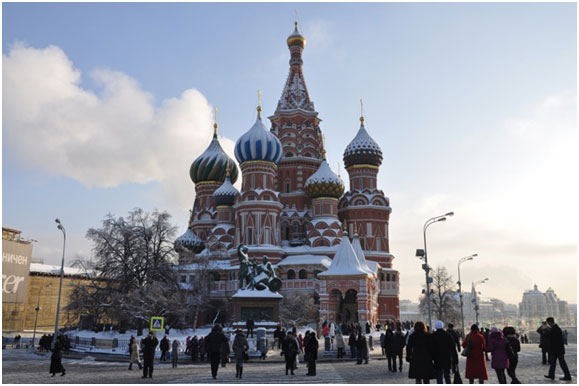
(494, 329)
(438, 325)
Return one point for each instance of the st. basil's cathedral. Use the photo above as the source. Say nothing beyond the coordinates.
(293, 209)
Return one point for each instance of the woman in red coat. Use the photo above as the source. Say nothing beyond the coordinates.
(476, 366)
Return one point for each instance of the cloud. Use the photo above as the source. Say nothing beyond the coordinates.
(100, 138)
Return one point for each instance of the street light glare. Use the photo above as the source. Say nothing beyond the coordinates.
(475, 255)
(450, 214)
(442, 219)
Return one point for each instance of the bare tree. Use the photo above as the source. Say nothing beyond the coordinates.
(135, 257)
(444, 300)
(298, 309)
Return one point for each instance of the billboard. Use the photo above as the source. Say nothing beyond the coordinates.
(15, 269)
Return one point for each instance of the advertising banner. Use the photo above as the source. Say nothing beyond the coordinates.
(15, 269)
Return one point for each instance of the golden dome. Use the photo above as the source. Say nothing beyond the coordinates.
(296, 38)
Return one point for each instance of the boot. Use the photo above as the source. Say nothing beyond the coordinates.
(240, 372)
(140, 366)
(237, 371)
(130, 366)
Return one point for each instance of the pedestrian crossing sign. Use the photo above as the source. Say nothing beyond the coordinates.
(157, 323)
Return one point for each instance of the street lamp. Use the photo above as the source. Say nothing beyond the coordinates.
(462, 260)
(475, 300)
(425, 267)
(38, 309)
(60, 285)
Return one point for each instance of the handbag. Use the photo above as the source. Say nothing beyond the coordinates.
(457, 379)
(467, 350)
(245, 356)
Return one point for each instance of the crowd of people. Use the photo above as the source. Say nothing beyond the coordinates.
(429, 355)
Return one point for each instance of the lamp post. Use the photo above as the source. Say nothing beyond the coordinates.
(424, 255)
(462, 260)
(37, 309)
(475, 300)
(60, 284)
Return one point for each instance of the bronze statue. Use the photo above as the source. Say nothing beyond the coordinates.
(256, 276)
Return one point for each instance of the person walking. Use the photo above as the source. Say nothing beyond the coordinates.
(476, 366)
(149, 345)
(188, 345)
(202, 350)
(419, 352)
(445, 355)
(56, 358)
(250, 324)
(382, 344)
(513, 349)
(387, 349)
(194, 349)
(240, 347)
(175, 351)
(135, 356)
(311, 353)
(454, 335)
(352, 340)
(497, 346)
(340, 344)
(545, 341)
(225, 350)
(289, 350)
(165, 346)
(557, 351)
(213, 346)
(398, 343)
(362, 348)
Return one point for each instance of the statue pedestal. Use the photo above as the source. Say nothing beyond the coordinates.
(256, 305)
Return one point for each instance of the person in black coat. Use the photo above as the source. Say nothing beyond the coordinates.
(511, 335)
(362, 349)
(249, 325)
(194, 349)
(445, 355)
(419, 353)
(165, 346)
(557, 351)
(56, 358)
(544, 332)
(388, 349)
(398, 343)
(311, 353)
(213, 345)
(149, 345)
(290, 350)
(454, 335)
(352, 341)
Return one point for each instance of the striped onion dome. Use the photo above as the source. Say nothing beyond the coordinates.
(363, 150)
(226, 193)
(324, 183)
(212, 164)
(189, 240)
(258, 144)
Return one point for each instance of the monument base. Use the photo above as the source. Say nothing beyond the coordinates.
(259, 306)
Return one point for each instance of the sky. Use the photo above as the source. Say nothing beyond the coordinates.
(106, 105)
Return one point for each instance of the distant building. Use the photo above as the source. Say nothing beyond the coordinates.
(27, 285)
(536, 306)
(410, 311)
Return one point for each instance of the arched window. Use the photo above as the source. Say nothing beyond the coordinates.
(387, 277)
(289, 154)
(291, 274)
(393, 277)
(303, 274)
(215, 276)
(381, 277)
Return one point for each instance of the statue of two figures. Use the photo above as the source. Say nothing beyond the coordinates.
(256, 276)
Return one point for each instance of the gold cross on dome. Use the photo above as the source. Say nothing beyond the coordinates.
(259, 104)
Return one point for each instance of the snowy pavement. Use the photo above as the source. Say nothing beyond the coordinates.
(20, 366)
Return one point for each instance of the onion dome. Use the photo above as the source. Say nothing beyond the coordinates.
(363, 150)
(189, 240)
(258, 144)
(226, 193)
(324, 182)
(212, 164)
(296, 38)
